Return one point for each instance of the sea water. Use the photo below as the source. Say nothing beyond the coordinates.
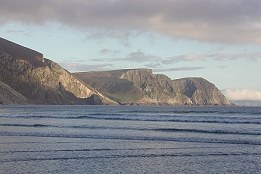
(129, 139)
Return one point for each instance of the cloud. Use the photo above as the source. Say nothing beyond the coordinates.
(155, 61)
(20, 32)
(242, 94)
(179, 69)
(153, 65)
(77, 67)
(216, 21)
(122, 35)
(15, 31)
(106, 51)
(233, 56)
(137, 56)
(183, 58)
(212, 56)
(141, 57)
(221, 67)
(248, 103)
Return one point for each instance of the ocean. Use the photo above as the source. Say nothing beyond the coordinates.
(129, 139)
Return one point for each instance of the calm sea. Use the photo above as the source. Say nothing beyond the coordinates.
(129, 139)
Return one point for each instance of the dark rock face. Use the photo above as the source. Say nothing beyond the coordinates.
(94, 100)
(141, 86)
(10, 96)
(33, 57)
(41, 81)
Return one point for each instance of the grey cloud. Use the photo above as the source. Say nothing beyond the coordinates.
(192, 68)
(15, 31)
(235, 56)
(217, 21)
(137, 56)
(20, 32)
(106, 51)
(123, 36)
(156, 61)
(153, 65)
(115, 33)
(182, 58)
(212, 56)
(141, 57)
(78, 67)
(221, 67)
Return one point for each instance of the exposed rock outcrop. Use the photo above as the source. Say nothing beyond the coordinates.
(200, 91)
(141, 86)
(110, 84)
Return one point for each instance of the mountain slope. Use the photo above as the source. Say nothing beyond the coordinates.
(141, 86)
(42, 81)
(10, 96)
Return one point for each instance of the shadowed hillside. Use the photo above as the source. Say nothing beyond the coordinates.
(42, 81)
(33, 57)
(141, 86)
(10, 96)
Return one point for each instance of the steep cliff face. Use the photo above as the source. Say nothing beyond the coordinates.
(200, 91)
(40, 80)
(144, 87)
(110, 84)
(10, 96)
(157, 88)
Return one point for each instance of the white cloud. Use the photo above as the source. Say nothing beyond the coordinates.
(242, 94)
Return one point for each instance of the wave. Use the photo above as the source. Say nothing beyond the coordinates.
(186, 119)
(167, 130)
(151, 155)
(26, 125)
(182, 119)
(242, 111)
(112, 149)
(140, 138)
(208, 131)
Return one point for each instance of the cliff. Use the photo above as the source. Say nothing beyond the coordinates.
(200, 91)
(42, 81)
(141, 86)
(33, 57)
(110, 84)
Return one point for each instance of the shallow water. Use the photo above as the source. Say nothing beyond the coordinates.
(129, 139)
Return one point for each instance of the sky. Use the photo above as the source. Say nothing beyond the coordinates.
(217, 40)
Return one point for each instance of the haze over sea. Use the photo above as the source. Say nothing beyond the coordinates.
(129, 139)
